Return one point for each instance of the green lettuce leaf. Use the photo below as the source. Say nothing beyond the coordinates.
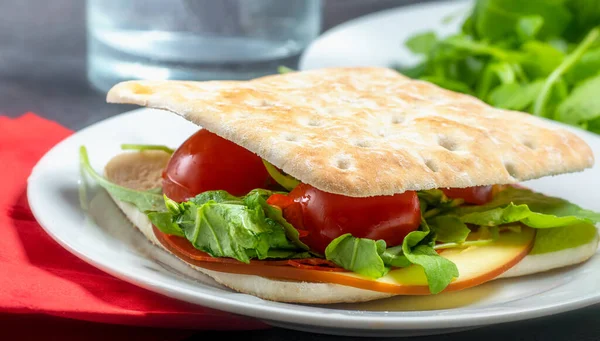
(360, 255)
(448, 229)
(224, 225)
(394, 257)
(560, 238)
(422, 43)
(231, 230)
(164, 222)
(438, 270)
(583, 104)
(256, 197)
(371, 258)
(530, 208)
(418, 249)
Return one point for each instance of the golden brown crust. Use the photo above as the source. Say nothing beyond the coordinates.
(369, 131)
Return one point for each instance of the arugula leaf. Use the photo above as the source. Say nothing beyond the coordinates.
(434, 202)
(519, 55)
(560, 238)
(497, 19)
(143, 200)
(360, 255)
(541, 58)
(514, 96)
(422, 43)
(438, 270)
(569, 61)
(530, 208)
(437, 197)
(371, 258)
(448, 229)
(587, 67)
(586, 14)
(529, 26)
(582, 105)
(394, 256)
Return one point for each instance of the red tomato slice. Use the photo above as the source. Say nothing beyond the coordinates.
(320, 217)
(478, 195)
(206, 162)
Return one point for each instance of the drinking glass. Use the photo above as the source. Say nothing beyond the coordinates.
(196, 39)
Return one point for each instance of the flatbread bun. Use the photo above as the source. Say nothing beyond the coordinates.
(367, 131)
(142, 171)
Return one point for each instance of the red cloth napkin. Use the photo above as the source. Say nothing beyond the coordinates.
(37, 276)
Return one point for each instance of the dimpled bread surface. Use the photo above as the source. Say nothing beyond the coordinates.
(366, 131)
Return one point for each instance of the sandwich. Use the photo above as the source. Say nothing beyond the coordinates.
(349, 185)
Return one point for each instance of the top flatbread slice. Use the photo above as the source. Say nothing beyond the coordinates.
(369, 131)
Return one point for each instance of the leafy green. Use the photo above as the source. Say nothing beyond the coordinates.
(164, 222)
(438, 270)
(560, 238)
(449, 229)
(583, 105)
(571, 59)
(394, 257)
(422, 43)
(586, 14)
(515, 96)
(226, 226)
(529, 26)
(498, 19)
(256, 200)
(360, 255)
(529, 56)
(434, 202)
(587, 67)
(372, 259)
(530, 208)
(143, 200)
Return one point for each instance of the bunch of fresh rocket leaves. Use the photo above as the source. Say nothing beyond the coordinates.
(537, 56)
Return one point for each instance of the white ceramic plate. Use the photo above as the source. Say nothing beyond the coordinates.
(98, 233)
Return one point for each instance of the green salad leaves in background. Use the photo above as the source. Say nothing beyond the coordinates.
(537, 56)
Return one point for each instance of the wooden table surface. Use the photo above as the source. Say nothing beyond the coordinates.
(42, 69)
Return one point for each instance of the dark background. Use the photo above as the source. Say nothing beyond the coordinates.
(42, 69)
